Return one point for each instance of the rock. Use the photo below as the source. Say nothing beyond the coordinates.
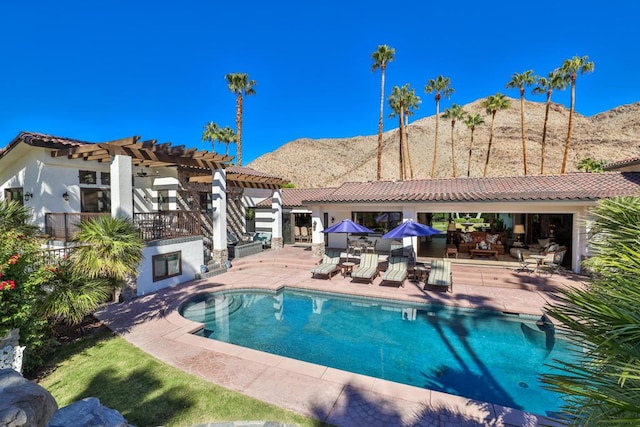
(22, 402)
(87, 412)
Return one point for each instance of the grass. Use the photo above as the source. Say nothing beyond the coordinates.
(147, 392)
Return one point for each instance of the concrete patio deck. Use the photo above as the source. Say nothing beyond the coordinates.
(153, 324)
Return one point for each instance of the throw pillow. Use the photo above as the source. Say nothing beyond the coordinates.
(492, 238)
(466, 238)
(552, 248)
(543, 242)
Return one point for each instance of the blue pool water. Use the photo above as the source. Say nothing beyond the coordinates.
(484, 355)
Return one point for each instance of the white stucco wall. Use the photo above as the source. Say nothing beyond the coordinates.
(192, 258)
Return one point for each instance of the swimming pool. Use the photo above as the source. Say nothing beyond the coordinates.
(484, 355)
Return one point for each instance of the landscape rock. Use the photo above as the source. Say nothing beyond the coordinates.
(86, 413)
(22, 402)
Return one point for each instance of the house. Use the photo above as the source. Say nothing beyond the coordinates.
(552, 207)
(182, 200)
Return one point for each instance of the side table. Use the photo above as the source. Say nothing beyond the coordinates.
(347, 268)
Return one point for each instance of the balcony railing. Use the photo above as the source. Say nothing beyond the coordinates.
(167, 224)
(152, 225)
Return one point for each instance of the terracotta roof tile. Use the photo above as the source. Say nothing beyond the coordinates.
(621, 163)
(293, 197)
(576, 186)
(249, 171)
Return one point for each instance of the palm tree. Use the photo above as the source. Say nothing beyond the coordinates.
(546, 85)
(520, 81)
(601, 386)
(72, 296)
(398, 100)
(383, 55)
(227, 136)
(591, 165)
(211, 133)
(15, 216)
(472, 120)
(442, 87)
(108, 248)
(493, 104)
(454, 113)
(570, 68)
(411, 103)
(240, 84)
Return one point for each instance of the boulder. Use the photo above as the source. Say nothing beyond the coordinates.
(22, 402)
(87, 412)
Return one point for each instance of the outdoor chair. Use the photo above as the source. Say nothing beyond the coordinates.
(329, 266)
(553, 261)
(368, 268)
(296, 233)
(397, 271)
(525, 264)
(304, 234)
(440, 275)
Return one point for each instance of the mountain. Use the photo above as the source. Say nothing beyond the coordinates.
(612, 135)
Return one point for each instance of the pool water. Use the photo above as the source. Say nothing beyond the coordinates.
(479, 354)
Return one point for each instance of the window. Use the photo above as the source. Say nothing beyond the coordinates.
(87, 177)
(105, 178)
(14, 194)
(94, 200)
(167, 265)
(163, 200)
(206, 203)
(380, 222)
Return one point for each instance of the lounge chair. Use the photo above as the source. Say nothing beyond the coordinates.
(329, 266)
(440, 274)
(368, 268)
(397, 271)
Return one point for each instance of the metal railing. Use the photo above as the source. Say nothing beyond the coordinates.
(152, 225)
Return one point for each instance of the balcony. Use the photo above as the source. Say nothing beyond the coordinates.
(152, 225)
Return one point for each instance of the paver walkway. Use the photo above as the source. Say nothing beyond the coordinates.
(153, 324)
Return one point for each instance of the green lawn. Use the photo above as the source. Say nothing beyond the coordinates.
(147, 392)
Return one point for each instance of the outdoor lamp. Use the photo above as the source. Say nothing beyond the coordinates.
(518, 230)
(27, 196)
(65, 196)
(451, 229)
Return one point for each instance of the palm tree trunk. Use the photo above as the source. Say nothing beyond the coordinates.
(470, 150)
(401, 153)
(406, 136)
(544, 131)
(239, 127)
(453, 150)
(379, 172)
(486, 163)
(568, 142)
(524, 141)
(435, 144)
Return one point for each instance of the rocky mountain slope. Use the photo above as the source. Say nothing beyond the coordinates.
(612, 135)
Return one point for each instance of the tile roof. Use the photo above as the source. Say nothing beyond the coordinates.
(293, 197)
(574, 187)
(622, 163)
(243, 170)
(42, 140)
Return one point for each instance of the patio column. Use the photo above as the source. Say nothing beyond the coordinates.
(276, 213)
(121, 186)
(317, 236)
(220, 253)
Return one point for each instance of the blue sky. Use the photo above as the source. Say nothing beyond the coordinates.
(103, 70)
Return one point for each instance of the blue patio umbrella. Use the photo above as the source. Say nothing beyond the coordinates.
(410, 228)
(347, 226)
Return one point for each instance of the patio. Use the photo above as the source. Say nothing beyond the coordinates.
(153, 324)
